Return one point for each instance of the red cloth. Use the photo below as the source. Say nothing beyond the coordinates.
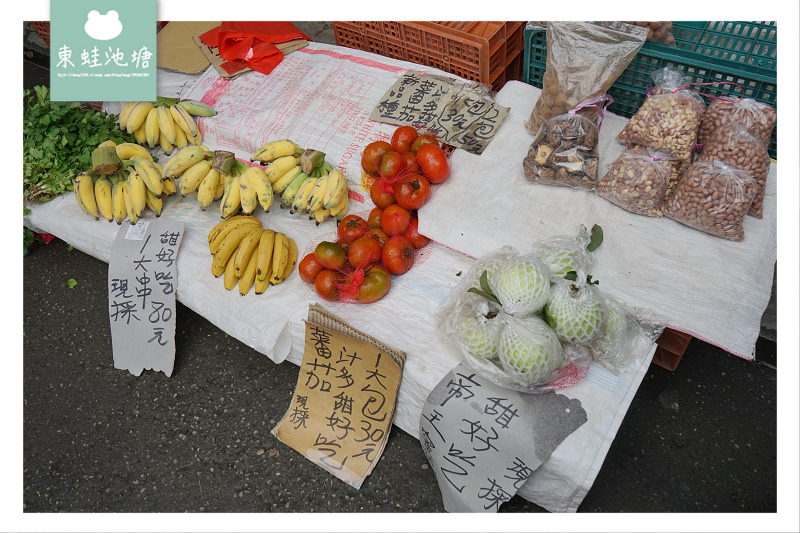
(251, 44)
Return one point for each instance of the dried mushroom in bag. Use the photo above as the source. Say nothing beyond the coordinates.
(733, 145)
(584, 59)
(712, 197)
(639, 180)
(564, 152)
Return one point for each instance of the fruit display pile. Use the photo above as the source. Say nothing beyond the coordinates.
(167, 122)
(522, 318)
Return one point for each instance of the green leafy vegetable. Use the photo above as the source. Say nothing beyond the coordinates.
(71, 282)
(58, 139)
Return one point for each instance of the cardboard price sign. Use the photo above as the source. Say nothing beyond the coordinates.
(141, 295)
(484, 441)
(344, 402)
(458, 113)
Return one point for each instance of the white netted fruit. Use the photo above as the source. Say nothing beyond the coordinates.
(479, 335)
(561, 259)
(575, 311)
(522, 285)
(530, 350)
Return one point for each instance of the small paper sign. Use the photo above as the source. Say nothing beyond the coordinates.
(460, 114)
(484, 441)
(345, 399)
(141, 295)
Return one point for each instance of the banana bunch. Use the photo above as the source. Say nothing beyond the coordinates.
(306, 182)
(123, 181)
(167, 122)
(250, 255)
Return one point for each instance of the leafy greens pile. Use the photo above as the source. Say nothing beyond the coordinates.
(58, 139)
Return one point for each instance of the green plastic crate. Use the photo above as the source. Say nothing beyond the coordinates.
(741, 53)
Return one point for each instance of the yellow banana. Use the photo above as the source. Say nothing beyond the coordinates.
(192, 176)
(289, 193)
(260, 285)
(227, 247)
(151, 130)
(248, 276)
(126, 194)
(300, 202)
(221, 229)
(208, 188)
(102, 196)
(275, 149)
(281, 166)
(197, 140)
(140, 135)
(317, 199)
(169, 187)
(290, 262)
(136, 190)
(282, 182)
(320, 215)
(248, 198)
(122, 119)
(280, 257)
(264, 254)
(108, 142)
(246, 248)
(183, 120)
(166, 124)
(128, 150)
(230, 203)
(155, 203)
(262, 186)
(148, 170)
(229, 278)
(223, 181)
(183, 159)
(340, 211)
(167, 146)
(118, 201)
(336, 189)
(181, 141)
(83, 185)
(138, 116)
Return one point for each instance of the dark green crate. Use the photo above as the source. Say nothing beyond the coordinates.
(727, 53)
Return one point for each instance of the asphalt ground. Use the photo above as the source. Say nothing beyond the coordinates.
(700, 439)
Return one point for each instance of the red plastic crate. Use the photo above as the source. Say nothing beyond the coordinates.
(486, 52)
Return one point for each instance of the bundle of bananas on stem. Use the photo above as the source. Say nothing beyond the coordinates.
(306, 182)
(123, 181)
(167, 122)
(250, 255)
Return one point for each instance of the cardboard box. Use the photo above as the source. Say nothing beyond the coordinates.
(177, 49)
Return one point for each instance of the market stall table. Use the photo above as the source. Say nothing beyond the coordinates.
(321, 96)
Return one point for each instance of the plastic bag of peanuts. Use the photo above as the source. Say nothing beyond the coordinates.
(712, 197)
(583, 60)
(640, 180)
(669, 118)
(733, 145)
(758, 118)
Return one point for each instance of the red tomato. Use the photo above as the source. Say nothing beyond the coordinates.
(330, 255)
(377, 282)
(374, 218)
(364, 251)
(402, 138)
(391, 164)
(411, 164)
(372, 155)
(422, 140)
(412, 191)
(412, 233)
(381, 193)
(433, 163)
(309, 267)
(326, 283)
(379, 235)
(351, 227)
(395, 219)
(398, 254)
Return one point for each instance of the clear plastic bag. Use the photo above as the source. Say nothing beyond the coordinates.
(661, 32)
(712, 197)
(583, 60)
(734, 146)
(757, 118)
(640, 179)
(669, 118)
